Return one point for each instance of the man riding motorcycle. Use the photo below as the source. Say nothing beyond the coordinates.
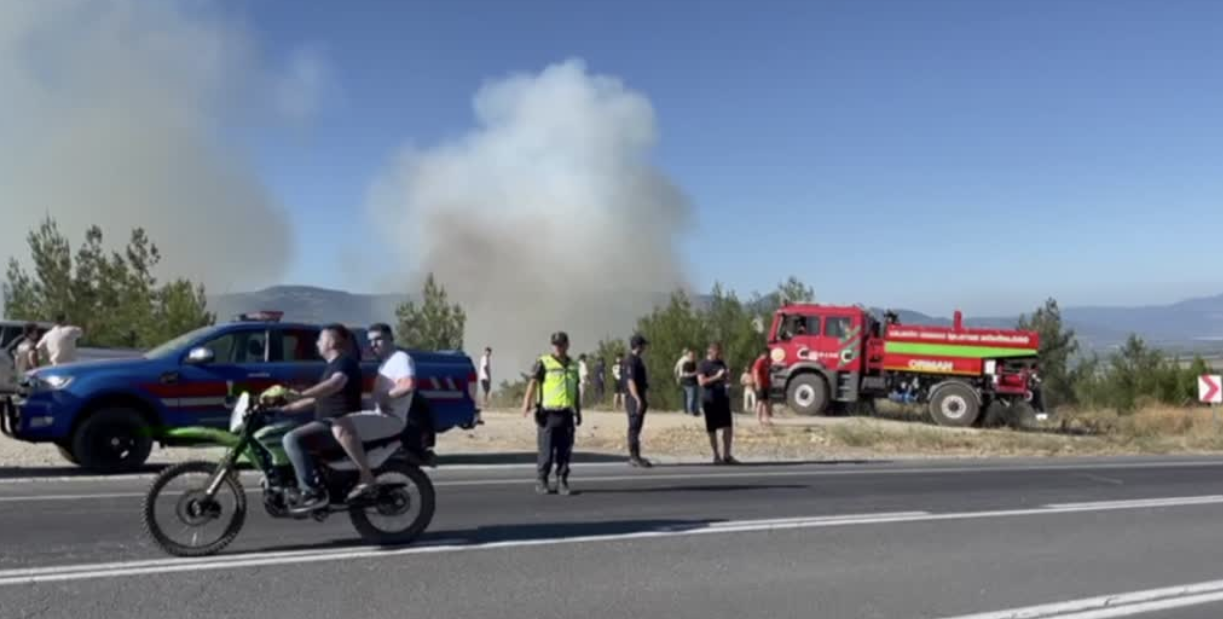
(336, 400)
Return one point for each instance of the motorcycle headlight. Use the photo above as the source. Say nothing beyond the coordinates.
(238, 417)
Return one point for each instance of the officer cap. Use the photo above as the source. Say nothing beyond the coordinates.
(560, 338)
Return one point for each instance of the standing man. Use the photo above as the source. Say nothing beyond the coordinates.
(59, 342)
(25, 355)
(618, 379)
(714, 376)
(761, 378)
(558, 413)
(600, 375)
(486, 380)
(687, 380)
(583, 377)
(679, 364)
(635, 403)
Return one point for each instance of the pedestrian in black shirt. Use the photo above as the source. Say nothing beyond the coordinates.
(599, 376)
(714, 378)
(635, 402)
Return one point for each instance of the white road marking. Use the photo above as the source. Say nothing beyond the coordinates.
(27, 576)
(859, 469)
(1102, 479)
(70, 497)
(253, 476)
(1115, 605)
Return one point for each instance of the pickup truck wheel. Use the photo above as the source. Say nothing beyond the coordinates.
(113, 440)
(65, 450)
(807, 394)
(955, 405)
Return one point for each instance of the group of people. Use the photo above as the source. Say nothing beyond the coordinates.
(556, 386)
(55, 346)
(754, 380)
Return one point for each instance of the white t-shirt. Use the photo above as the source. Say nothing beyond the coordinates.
(583, 372)
(397, 367)
(22, 363)
(486, 369)
(60, 344)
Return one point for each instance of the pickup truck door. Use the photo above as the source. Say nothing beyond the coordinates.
(206, 391)
(294, 360)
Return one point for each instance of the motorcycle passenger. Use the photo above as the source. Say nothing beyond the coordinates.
(338, 393)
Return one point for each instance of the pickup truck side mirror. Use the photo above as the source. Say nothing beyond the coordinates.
(200, 356)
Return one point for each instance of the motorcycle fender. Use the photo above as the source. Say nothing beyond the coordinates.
(201, 436)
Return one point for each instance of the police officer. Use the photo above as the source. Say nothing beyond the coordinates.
(558, 411)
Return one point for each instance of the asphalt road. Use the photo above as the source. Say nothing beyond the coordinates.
(870, 540)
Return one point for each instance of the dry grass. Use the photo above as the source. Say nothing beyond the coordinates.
(894, 432)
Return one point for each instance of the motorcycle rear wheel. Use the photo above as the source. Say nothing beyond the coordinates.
(417, 478)
(195, 505)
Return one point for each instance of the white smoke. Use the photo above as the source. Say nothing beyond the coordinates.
(548, 215)
(128, 113)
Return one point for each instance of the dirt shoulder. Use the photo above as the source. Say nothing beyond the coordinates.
(672, 436)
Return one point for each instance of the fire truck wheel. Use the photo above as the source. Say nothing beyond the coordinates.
(996, 414)
(954, 404)
(807, 394)
(1021, 416)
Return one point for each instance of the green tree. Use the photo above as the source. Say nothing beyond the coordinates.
(181, 307)
(793, 290)
(1133, 373)
(731, 323)
(115, 298)
(434, 324)
(1058, 345)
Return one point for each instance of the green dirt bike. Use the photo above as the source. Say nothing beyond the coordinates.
(218, 499)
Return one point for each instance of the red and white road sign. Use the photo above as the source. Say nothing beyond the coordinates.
(1210, 389)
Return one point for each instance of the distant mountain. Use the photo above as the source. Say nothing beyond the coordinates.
(1193, 324)
(309, 304)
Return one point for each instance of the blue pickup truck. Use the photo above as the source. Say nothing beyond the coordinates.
(106, 416)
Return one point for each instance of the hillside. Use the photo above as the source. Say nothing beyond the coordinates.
(1193, 324)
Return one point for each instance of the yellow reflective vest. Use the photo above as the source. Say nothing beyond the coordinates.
(560, 388)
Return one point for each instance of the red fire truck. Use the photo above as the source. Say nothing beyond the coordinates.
(828, 356)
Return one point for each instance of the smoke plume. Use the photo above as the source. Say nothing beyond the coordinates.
(126, 113)
(548, 215)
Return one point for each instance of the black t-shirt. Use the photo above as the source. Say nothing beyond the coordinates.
(346, 400)
(715, 391)
(634, 370)
(688, 368)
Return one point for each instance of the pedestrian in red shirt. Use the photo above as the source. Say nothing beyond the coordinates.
(760, 372)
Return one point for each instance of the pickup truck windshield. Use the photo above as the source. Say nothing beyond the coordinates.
(174, 345)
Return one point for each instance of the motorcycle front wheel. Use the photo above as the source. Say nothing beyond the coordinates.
(189, 513)
(403, 508)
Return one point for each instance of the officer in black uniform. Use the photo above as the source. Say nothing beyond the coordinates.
(558, 411)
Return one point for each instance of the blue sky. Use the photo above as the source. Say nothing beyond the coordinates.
(930, 154)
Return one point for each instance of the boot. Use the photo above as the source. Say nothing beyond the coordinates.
(564, 486)
(541, 485)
